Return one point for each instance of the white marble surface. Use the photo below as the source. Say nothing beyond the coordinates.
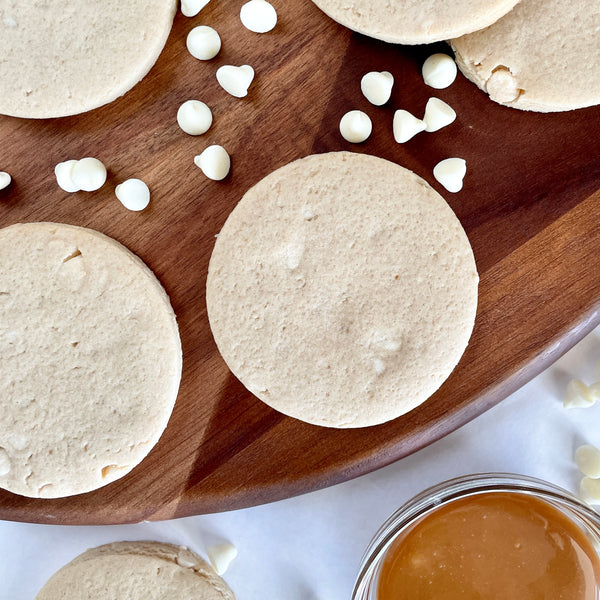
(310, 547)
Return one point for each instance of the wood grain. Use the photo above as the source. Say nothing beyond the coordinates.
(530, 205)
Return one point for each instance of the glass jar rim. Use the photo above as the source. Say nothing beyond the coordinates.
(453, 489)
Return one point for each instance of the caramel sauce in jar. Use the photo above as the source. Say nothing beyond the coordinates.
(491, 546)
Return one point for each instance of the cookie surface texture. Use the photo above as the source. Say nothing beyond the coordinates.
(415, 21)
(90, 360)
(136, 571)
(64, 57)
(542, 56)
(342, 290)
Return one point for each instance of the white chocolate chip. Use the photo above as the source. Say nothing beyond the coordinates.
(379, 366)
(214, 162)
(438, 114)
(194, 117)
(4, 462)
(502, 86)
(439, 71)
(577, 395)
(203, 42)
(133, 194)
(88, 174)
(587, 458)
(64, 176)
(589, 490)
(5, 180)
(594, 389)
(355, 126)
(258, 16)
(221, 556)
(377, 87)
(190, 8)
(235, 80)
(450, 173)
(406, 126)
(185, 558)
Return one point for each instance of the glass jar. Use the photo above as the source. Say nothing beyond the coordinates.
(439, 495)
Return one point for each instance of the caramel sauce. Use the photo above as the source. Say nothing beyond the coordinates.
(492, 546)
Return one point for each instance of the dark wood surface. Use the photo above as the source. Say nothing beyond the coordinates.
(530, 206)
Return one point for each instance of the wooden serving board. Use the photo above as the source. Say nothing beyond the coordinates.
(530, 206)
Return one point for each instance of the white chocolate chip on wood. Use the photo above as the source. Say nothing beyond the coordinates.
(133, 194)
(194, 117)
(258, 16)
(64, 176)
(578, 395)
(450, 173)
(439, 71)
(88, 174)
(406, 126)
(438, 114)
(589, 490)
(203, 42)
(190, 8)
(5, 180)
(214, 162)
(221, 556)
(587, 458)
(235, 80)
(355, 126)
(377, 87)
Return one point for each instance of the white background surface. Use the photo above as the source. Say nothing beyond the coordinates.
(310, 547)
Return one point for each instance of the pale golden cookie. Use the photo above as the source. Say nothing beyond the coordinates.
(542, 56)
(342, 290)
(415, 21)
(90, 360)
(63, 57)
(136, 571)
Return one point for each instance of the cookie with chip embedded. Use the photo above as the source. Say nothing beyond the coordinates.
(136, 571)
(342, 290)
(90, 360)
(542, 56)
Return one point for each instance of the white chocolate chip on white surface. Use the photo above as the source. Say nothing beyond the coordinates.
(594, 389)
(450, 172)
(203, 42)
(88, 174)
(214, 162)
(377, 87)
(64, 176)
(221, 556)
(194, 117)
(578, 395)
(406, 126)
(587, 458)
(5, 180)
(438, 114)
(439, 71)
(235, 80)
(190, 8)
(355, 126)
(258, 16)
(133, 194)
(589, 490)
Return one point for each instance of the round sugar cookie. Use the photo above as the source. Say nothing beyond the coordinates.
(415, 21)
(342, 290)
(64, 57)
(136, 571)
(90, 360)
(542, 56)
